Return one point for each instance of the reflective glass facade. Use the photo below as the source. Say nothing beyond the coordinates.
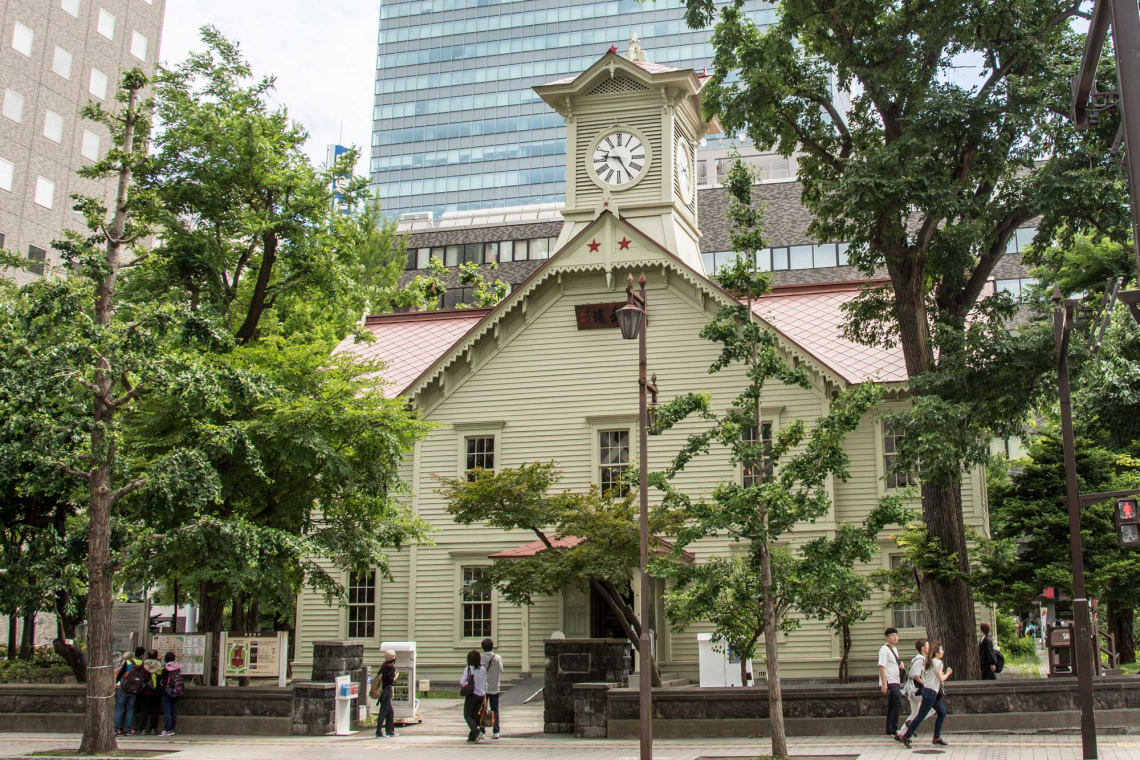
(456, 125)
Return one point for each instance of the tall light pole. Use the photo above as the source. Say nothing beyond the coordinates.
(1087, 659)
(633, 320)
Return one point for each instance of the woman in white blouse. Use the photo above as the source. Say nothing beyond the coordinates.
(933, 677)
(473, 687)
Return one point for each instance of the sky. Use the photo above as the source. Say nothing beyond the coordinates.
(324, 60)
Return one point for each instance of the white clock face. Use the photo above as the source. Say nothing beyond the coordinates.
(684, 170)
(619, 159)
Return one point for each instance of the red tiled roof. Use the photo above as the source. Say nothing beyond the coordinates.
(569, 542)
(811, 316)
(408, 344)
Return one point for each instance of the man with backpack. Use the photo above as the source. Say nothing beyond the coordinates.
(172, 687)
(132, 678)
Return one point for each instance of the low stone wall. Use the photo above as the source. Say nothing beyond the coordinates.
(341, 658)
(845, 710)
(314, 709)
(574, 661)
(590, 709)
(252, 711)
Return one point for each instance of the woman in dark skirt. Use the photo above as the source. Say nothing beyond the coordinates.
(473, 687)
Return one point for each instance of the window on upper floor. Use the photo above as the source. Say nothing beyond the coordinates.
(35, 253)
(1017, 288)
(97, 85)
(362, 605)
(70, 7)
(53, 126)
(907, 615)
(892, 437)
(613, 461)
(22, 38)
(7, 174)
(451, 255)
(750, 469)
(13, 107)
(61, 62)
(105, 24)
(90, 146)
(138, 45)
(45, 192)
(480, 454)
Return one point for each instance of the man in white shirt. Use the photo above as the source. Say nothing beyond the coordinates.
(493, 664)
(890, 682)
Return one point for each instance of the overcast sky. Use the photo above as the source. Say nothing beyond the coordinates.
(322, 53)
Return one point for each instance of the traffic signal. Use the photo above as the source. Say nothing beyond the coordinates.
(1128, 523)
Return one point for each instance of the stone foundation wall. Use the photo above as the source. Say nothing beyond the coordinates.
(856, 709)
(590, 710)
(575, 661)
(314, 709)
(341, 658)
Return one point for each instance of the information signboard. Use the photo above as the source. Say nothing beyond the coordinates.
(253, 654)
(129, 625)
(190, 649)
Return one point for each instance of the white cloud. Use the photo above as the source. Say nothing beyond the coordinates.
(323, 55)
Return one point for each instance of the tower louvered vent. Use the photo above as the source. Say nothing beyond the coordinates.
(617, 84)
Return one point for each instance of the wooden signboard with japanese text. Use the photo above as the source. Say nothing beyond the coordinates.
(595, 316)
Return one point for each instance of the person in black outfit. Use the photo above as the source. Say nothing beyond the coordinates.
(986, 654)
(386, 718)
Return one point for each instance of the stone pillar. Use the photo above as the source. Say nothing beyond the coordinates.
(590, 709)
(574, 661)
(314, 709)
(341, 658)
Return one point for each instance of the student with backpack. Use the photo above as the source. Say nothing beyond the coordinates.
(149, 704)
(992, 661)
(381, 691)
(172, 688)
(132, 678)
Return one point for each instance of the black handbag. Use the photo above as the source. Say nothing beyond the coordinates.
(469, 688)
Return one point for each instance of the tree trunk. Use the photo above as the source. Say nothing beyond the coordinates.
(98, 727)
(1121, 624)
(13, 633)
(253, 621)
(629, 622)
(257, 301)
(949, 605)
(64, 642)
(237, 612)
(772, 652)
(844, 677)
(743, 671)
(28, 636)
(211, 609)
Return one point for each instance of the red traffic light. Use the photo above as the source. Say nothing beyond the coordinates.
(1128, 523)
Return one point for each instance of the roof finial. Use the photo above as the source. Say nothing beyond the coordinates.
(635, 53)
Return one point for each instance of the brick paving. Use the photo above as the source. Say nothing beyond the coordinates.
(442, 737)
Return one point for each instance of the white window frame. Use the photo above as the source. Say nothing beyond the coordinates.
(910, 609)
(55, 121)
(465, 430)
(610, 422)
(102, 94)
(70, 7)
(769, 415)
(23, 38)
(375, 604)
(466, 560)
(105, 23)
(881, 463)
(7, 174)
(90, 141)
(61, 63)
(135, 38)
(44, 192)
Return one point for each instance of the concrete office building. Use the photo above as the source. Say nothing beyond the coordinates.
(55, 56)
(456, 125)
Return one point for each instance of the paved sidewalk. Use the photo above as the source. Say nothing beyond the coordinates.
(522, 747)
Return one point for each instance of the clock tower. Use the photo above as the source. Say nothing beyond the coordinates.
(632, 129)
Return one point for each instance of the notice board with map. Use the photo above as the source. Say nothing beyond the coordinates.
(190, 649)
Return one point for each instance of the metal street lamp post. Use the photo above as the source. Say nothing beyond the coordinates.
(1087, 660)
(633, 321)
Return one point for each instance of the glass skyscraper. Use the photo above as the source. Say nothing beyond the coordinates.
(456, 126)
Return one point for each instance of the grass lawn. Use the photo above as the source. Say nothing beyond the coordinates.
(1028, 665)
(116, 753)
(439, 694)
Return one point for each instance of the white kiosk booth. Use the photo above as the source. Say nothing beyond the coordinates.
(718, 666)
(404, 702)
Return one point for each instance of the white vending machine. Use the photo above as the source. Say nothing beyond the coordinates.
(404, 702)
(718, 666)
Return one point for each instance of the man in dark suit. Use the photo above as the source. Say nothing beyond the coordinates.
(986, 654)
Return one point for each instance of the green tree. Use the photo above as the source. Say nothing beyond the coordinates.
(1034, 517)
(927, 175)
(484, 293)
(773, 501)
(727, 592)
(831, 588)
(605, 559)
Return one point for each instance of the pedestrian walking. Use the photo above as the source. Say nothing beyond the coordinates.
(493, 664)
(473, 689)
(986, 654)
(913, 688)
(386, 717)
(890, 682)
(933, 677)
(130, 686)
(172, 688)
(149, 703)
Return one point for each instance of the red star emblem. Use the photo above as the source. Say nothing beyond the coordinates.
(613, 48)
(623, 243)
(606, 203)
(594, 245)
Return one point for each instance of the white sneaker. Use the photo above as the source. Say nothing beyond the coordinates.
(495, 735)
(392, 735)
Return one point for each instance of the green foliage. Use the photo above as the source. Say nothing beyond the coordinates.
(485, 293)
(1107, 391)
(1011, 644)
(726, 591)
(1081, 267)
(29, 671)
(424, 293)
(521, 499)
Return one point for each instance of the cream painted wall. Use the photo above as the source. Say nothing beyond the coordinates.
(544, 389)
